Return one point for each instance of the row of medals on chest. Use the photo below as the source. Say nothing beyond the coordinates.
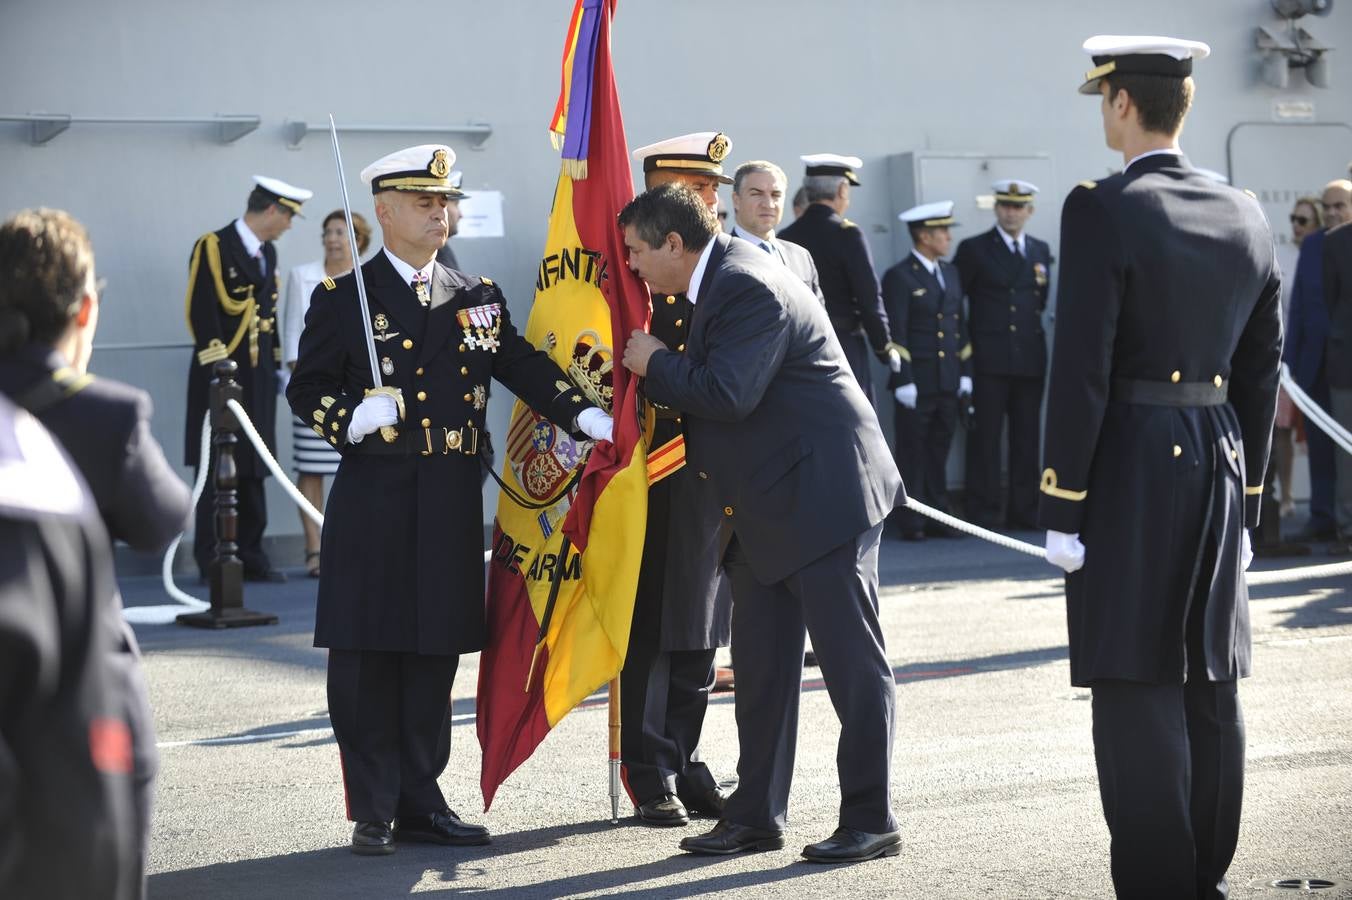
(478, 333)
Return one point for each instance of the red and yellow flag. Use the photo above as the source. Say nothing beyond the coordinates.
(586, 303)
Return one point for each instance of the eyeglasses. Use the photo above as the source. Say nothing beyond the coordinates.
(1302, 221)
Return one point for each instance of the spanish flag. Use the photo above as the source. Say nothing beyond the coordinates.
(586, 303)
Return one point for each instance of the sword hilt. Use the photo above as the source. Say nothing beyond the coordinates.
(388, 433)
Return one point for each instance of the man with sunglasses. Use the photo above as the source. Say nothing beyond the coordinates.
(1336, 262)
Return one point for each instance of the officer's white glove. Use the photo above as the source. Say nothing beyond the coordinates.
(906, 395)
(894, 359)
(1246, 551)
(372, 414)
(596, 424)
(964, 385)
(1065, 550)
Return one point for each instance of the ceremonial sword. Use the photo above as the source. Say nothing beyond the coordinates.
(388, 433)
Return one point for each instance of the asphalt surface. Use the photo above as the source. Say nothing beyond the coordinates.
(993, 769)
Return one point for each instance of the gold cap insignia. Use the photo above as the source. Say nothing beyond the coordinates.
(439, 167)
(719, 147)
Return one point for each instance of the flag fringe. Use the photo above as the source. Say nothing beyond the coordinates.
(575, 169)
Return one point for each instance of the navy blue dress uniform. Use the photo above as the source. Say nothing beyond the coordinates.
(232, 314)
(68, 792)
(1006, 282)
(1160, 405)
(801, 472)
(401, 593)
(682, 607)
(936, 353)
(845, 269)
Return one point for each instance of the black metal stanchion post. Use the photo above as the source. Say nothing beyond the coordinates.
(227, 570)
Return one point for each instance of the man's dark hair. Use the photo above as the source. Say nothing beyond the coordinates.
(46, 265)
(1161, 100)
(260, 200)
(671, 207)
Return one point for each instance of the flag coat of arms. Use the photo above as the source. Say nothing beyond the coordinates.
(566, 545)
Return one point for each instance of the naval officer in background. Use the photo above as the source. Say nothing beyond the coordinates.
(1160, 404)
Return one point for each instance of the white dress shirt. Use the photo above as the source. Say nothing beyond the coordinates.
(698, 275)
(1171, 151)
(252, 245)
(407, 272)
(1011, 242)
(931, 267)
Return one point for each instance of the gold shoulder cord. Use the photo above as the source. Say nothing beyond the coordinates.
(232, 307)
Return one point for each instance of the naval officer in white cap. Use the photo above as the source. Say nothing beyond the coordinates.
(232, 314)
(1160, 404)
(401, 591)
(844, 264)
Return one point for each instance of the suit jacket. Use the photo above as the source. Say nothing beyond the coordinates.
(1006, 295)
(774, 420)
(845, 269)
(1337, 265)
(1160, 405)
(232, 314)
(1308, 319)
(403, 535)
(105, 426)
(928, 324)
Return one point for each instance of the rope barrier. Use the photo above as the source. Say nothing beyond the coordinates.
(247, 425)
(1315, 413)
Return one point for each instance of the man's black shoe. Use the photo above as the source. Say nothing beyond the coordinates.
(848, 845)
(704, 803)
(727, 838)
(272, 576)
(440, 828)
(372, 839)
(665, 811)
(810, 659)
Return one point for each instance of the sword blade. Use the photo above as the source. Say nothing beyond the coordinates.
(356, 261)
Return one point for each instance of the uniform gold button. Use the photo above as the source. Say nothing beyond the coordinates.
(1013, 328)
(680, 322)
(464, 370)
(418, 371)
(680, 347)
(941, 354)
(1176, 376)
(1178, 451)
(704, 475)
(469, 397)
(727, 510)
(1217, 381)
(678, 420)
(427, 423)
(939, 334)
(670, 299)
(462, 348)
(422, 395)
(408, 345)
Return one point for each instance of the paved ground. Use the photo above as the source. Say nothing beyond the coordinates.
(994, 776)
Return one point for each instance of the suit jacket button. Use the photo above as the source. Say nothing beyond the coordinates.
(727, 510)
(464, 370)
(418, 371)
(704, 475)
(941, 354)
(1218, 381)
(1176, 376)
(1178, 451)
(670, 298)
(939, 334)
(680, 322)
(408, 345)
(680, 346)
(1013, 328)
(422, 395)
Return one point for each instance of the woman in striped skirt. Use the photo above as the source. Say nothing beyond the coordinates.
(314, 458)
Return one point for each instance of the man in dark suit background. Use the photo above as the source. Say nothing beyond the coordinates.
(792, 451)
(232, 314)
(844, 264)
(758, 190)
(923, 294)
(1337, 271)
(1005, 275)
(1160, 405)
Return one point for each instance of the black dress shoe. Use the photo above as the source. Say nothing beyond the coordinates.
(372, 839)
(665, 811)
(704, 803)
(727, 838)
(272, 576)
(440, 828)
(848, 845)
(810, 660)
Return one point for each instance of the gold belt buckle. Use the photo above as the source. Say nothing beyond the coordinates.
(453, 441)
(427, 438)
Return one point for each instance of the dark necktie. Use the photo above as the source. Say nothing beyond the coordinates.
(939, 275)
(1018, 254)
(419, 285)
(262, 262)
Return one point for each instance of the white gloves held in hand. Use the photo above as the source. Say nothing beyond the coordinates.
(1065, 550)
(372, 414)
(1245, 551)
(964, 385)
(906, 395)
(596, 424)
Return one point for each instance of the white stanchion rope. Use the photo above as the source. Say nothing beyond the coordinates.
(1315, 413)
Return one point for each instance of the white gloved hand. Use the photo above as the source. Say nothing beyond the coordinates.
(373, 413)
(1065, 550)
(964, 385)
(906, 395)
(1245, 551)
(596, 424)
(894, 359)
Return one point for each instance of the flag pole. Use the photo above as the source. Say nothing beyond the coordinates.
(615, 750)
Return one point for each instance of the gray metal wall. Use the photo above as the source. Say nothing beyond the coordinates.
(781, 77)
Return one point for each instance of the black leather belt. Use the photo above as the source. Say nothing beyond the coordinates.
(424, 441)
(1169, 393)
